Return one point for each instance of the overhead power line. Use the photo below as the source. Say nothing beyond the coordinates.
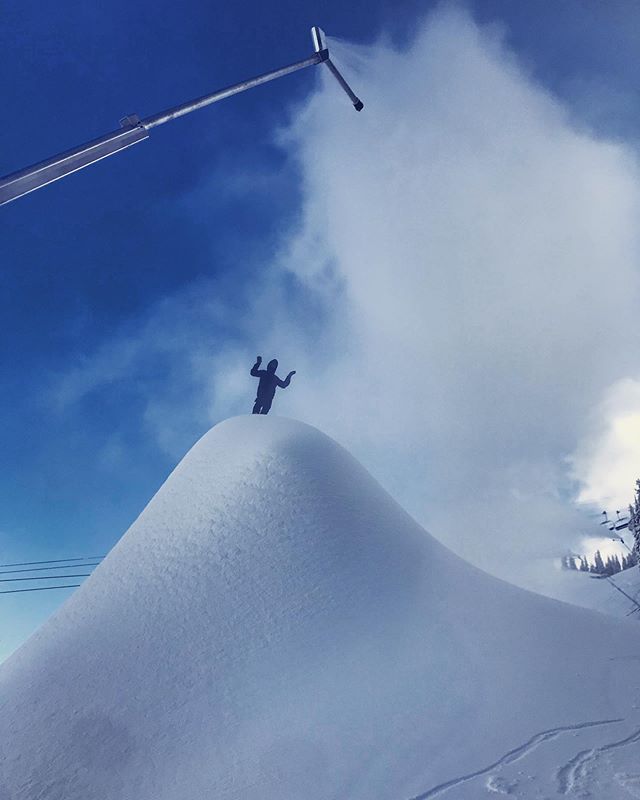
(628, 596)
(44, 578)
(61, 563)
(52, 561)
(40, 588)
(43, 569)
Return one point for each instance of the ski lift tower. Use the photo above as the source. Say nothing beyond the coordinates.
(133, 129)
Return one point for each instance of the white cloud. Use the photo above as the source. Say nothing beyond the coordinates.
(607, 461)
(475, 259)
(606, 546)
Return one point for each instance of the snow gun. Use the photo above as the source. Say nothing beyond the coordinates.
(133, 129)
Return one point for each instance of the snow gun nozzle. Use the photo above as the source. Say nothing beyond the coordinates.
(319, 39)
(320, 46)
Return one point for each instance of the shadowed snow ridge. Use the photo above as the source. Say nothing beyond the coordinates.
(274, 625)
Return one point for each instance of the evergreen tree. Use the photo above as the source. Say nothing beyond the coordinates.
(612, 565)
(634, 522)
(598, 564)
(584, 564)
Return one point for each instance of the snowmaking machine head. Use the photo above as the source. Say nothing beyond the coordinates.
(320, 46)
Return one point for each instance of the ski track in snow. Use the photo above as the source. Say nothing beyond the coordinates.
(575, 770)
(523, 750)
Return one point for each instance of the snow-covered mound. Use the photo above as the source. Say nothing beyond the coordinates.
(274, 625)
(619, 595)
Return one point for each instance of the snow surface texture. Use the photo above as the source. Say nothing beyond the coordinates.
(275, 626)
(599, 593)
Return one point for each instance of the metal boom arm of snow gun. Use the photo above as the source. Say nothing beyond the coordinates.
(134, 130)
(320, 45)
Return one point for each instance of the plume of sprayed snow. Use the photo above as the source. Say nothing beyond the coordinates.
(486, 258)
(607, 461)
(474, 257)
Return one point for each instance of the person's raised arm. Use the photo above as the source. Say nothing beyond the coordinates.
(257, 373)
(283, 384)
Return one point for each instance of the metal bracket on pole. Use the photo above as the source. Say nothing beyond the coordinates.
(38, 175)
(134, 130)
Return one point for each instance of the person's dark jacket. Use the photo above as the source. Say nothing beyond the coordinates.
(269, 381)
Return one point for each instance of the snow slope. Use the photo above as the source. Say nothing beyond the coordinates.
(274, 625)
(599, 594)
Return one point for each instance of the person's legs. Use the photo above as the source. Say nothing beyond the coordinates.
(266, 405)
(256, 406)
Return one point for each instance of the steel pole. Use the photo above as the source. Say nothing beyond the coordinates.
(134, 130)
(38, 175)
(222, 94)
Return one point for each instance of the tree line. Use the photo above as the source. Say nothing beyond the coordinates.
(599, 566)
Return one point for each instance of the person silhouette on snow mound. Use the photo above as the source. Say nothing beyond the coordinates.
(268, 383)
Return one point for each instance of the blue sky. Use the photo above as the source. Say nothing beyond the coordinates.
(203, 204)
